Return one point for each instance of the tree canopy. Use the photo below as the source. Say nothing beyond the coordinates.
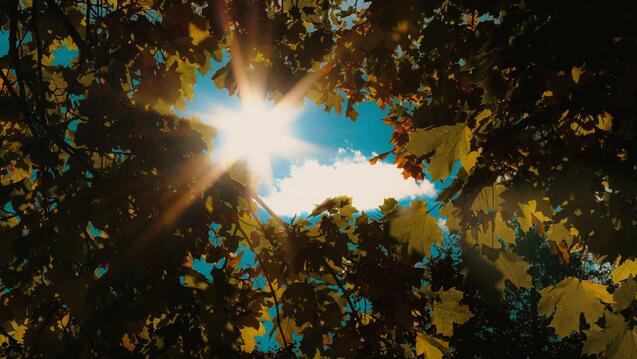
(525, 108)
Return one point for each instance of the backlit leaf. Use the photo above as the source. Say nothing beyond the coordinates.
(448, 143)
(416, 227)
(448, 311)
(248, 335)
(431, 347)
(570, 298)
(513, 268)
(626, 269)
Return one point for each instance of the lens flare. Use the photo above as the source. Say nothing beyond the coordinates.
(255, 132)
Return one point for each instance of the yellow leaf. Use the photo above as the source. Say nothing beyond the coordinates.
(197, 34)
(19, 174)
(513, 268)
(248, 335)
(626, 269)
(576, 73)
(448, 311)
(596, 340)
(431, 347)
(195, 280)
(494, 228)
(484, 114)
(469, 160)
(64, 321)
(162, 107)
(209, 204)
(488, 199)
(334, 100)
(448, 144)
(416, 227)
(625, 294)
(530, 215)
(570, 298)
(605, 121)
(558, 233)
(18, 330)
(616, 340)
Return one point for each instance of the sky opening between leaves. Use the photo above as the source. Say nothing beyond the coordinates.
(337, 165)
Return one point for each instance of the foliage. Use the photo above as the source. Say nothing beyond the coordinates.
(107, 198)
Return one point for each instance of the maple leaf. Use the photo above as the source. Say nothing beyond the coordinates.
(530, 215)
(248, 335)
(431, 347)
(448, 311)
(197, 34)
(416, 227)
(626, 269)
(570, 298)
(625, 294)
(18, 330)
(513, 268)
(616, 340)
(488, 199)
(448, 143)
(558, 233)
(495, 228)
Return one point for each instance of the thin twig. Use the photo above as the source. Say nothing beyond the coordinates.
(329, 268)
(267, 278)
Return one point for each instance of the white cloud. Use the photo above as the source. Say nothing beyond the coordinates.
(350, 174)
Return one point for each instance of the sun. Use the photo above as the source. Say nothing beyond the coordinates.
(256, 133)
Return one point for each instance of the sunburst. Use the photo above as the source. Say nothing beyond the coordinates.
(256, 132)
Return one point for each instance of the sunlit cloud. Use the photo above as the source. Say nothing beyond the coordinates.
(311, 182)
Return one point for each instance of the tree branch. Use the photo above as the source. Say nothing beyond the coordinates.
(77, 38)
(265, 274)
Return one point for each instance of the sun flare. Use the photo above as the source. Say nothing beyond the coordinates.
(256, 132)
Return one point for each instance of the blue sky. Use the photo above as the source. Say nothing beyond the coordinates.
(339, 167)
